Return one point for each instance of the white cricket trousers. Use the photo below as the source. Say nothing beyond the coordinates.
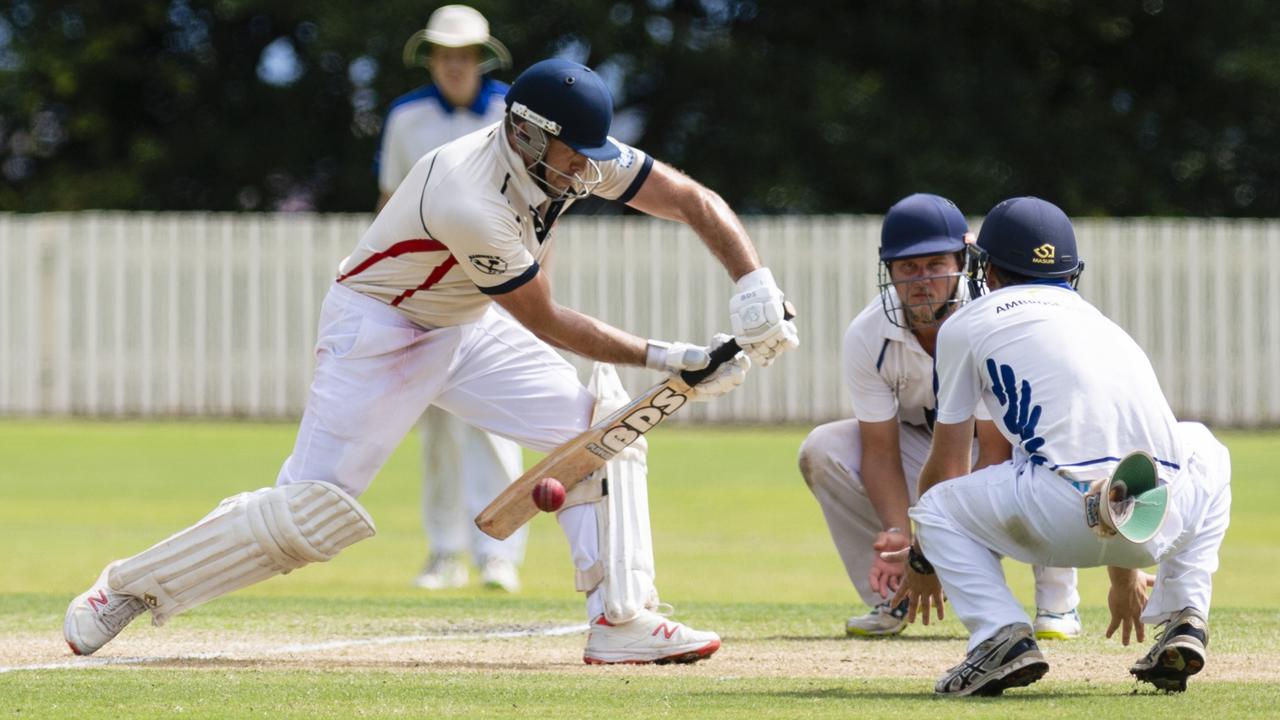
(463, 468)
(830, 459)
(376, 372)
(1031, 514)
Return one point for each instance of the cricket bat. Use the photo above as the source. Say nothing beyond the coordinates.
(573, 461)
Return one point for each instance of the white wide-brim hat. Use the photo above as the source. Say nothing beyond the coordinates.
(457, 26)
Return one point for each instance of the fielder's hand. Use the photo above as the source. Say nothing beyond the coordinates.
(1127, 599)
(890, 562)
(759, 320)
(921, 591)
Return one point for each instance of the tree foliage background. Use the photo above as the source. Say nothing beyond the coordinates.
(1108, 107)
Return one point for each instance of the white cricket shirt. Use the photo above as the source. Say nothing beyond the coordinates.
(1065, 385)
(888, 373)
(468, 222)
(421, 121)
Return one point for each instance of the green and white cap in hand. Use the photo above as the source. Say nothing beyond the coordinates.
(1133, 500)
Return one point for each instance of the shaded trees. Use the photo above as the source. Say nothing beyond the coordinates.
(1108, 107)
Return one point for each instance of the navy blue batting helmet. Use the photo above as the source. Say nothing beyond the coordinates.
(569, 102)
(922, 224)
(1031, 237)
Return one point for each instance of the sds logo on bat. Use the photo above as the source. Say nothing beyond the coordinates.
(637, 422)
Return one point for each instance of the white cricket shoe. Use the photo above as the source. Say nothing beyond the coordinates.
(1057, 626)
(98, 615)
(499, 574)
(883, 620)
(649, 638)
(443, 571)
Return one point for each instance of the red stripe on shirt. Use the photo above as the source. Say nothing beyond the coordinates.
(432, 279)
(400, 248)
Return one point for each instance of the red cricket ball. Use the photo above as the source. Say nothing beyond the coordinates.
(548, 494)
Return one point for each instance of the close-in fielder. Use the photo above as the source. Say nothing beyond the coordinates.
(410, 323)
(462, 467)
(1074, 394)
(863, 471)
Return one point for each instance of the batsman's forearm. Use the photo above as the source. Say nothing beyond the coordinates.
(722, 232)
(584, 335)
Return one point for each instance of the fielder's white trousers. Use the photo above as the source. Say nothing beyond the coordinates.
(463, 468)
(1031, 514)
(376, 372)
(830, 459)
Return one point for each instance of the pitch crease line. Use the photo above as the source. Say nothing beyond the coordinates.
(92, 662)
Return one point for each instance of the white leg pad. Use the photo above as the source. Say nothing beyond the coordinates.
(624, 568)
(248, 538)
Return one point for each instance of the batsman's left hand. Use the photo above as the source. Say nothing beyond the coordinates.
(758, 318)
(922, 591)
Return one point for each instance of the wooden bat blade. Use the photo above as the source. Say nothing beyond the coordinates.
(573, 461)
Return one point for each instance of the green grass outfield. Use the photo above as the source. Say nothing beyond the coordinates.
(741, 548)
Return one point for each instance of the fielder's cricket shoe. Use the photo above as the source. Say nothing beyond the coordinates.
(443, 571)
(883, 620)
(98, 615)
(1057, 626)
(1008, 659)
(1179, 652)
(499, 574)
(650, 638)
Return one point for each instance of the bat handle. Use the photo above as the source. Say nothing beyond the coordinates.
(720, 354)
(724, 352)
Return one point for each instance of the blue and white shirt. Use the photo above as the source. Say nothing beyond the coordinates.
(421, 121)
(1065, 385)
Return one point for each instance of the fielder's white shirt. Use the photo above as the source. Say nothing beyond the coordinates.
(888, 373)
(421, 121)
(1065, 385)
(467, 223)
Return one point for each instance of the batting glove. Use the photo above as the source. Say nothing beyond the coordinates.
(759, 320)
(728, 376)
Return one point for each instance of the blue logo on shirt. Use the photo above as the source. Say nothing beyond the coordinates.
(1019, 415)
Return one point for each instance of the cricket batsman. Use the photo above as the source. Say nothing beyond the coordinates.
(1102, 473)
(410, 322)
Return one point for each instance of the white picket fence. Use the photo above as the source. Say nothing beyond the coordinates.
(142, 314)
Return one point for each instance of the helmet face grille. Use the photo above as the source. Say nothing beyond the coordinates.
(532, 140)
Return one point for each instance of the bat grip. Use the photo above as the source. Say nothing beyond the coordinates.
(724, 352)
(720, 354)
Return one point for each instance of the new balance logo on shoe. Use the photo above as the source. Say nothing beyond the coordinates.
(667, 631)
(97, 602)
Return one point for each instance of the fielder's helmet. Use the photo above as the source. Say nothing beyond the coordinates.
(919, 225)
(569, 102)
(922, 224)
(1031, 237)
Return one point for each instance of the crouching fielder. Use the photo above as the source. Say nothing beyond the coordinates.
(409, 324)
(863, 471)
(1075, 395)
